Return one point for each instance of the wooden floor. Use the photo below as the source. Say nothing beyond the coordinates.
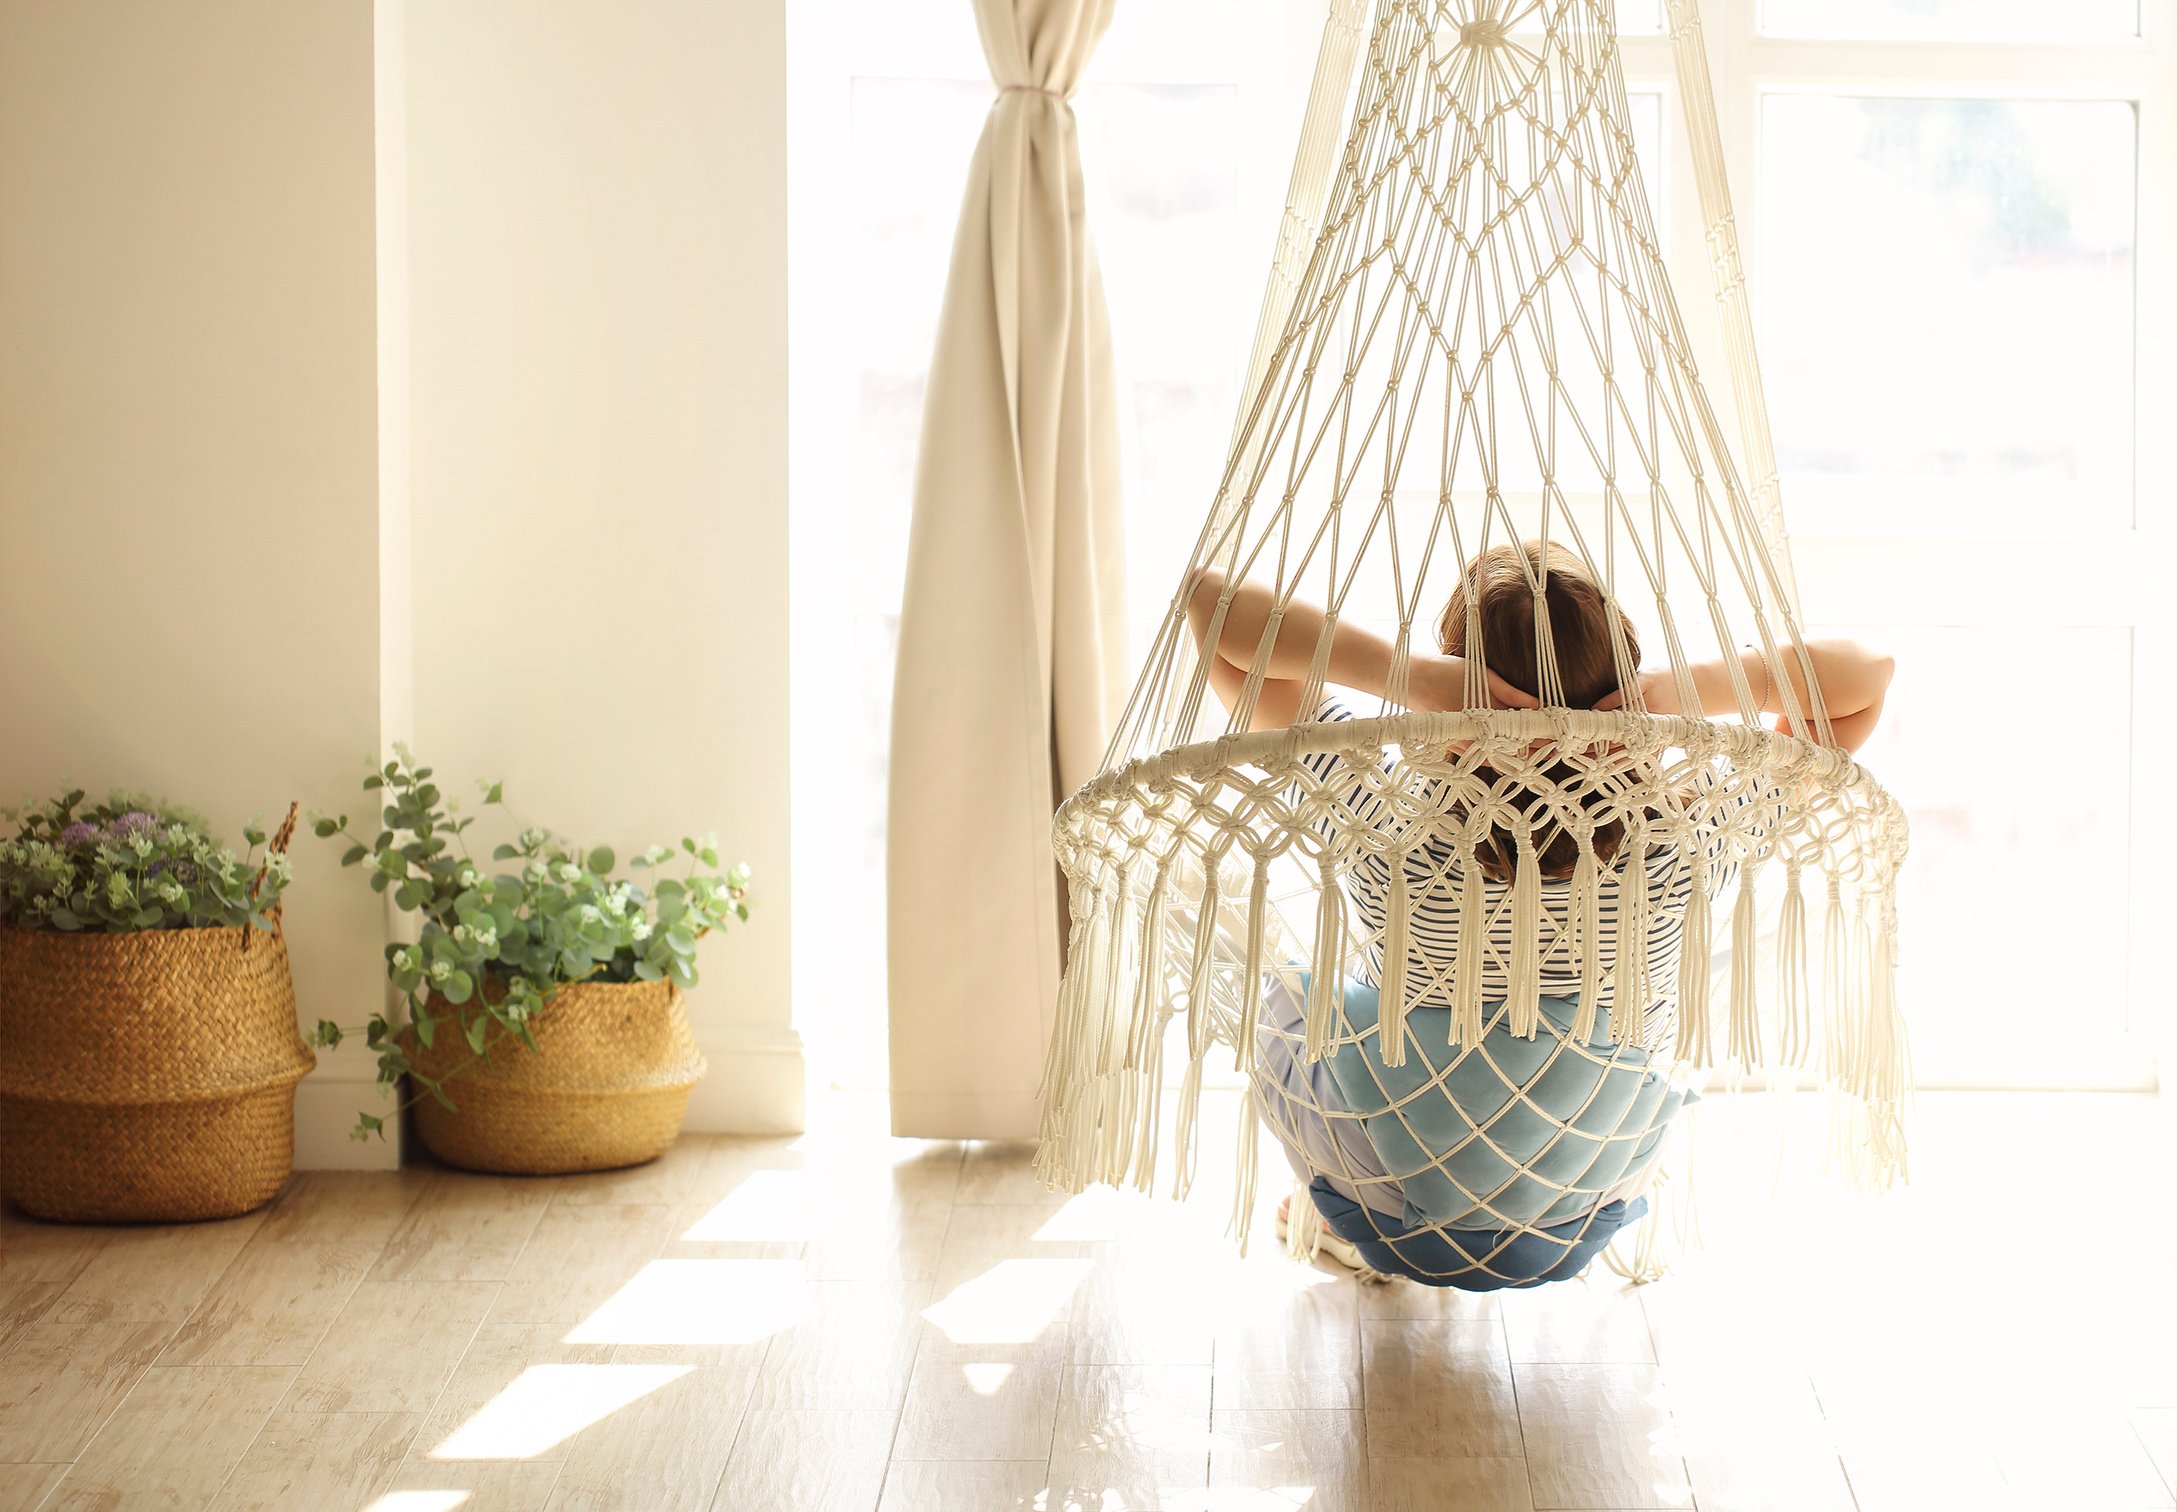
(849, 1321)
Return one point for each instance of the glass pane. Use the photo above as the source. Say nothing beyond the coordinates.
(1636, 18)
(1954, 20)
(1162, 165)
(1945, 290)
(2042, 867)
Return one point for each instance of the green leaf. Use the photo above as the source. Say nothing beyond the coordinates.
(254, 833)
(645, 971)
(373, 782)
(325, 828)
(365, 1126)
(707, 856)
(478, 1028)
(459, 987)
(492, 794)
(687, 845)
(602, 860)
(355, 854)
(65, 918)
(504, 853)
(327, 1034)
(426, 1029)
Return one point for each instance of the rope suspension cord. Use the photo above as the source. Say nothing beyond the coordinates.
(1464, 952)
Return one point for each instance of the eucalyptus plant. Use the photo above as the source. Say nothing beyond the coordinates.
(131, 863)
(495, 946)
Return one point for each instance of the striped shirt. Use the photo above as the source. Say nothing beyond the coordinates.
(1435, 880)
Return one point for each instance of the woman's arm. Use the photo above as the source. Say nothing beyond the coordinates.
(1854, 682)
(1359, 658)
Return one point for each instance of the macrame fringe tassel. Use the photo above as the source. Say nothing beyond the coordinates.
(1629, 986)
(1836, 992)
(1326, 976)
(1391, 998)
(1258, 911)
(1586, 915)
(1205, 957)
(1466, 967)
(1243, 1195)
(1524, 991)
(1693, 969)
(1791, 968)
(1743, 1046)
(1149, 987)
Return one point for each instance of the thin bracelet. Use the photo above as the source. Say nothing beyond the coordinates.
(1768, 684)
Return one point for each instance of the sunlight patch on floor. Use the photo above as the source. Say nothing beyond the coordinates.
(418, 1501)
(768, 1206)
(701, 1302)
(548, 1404)
(1014, 1302)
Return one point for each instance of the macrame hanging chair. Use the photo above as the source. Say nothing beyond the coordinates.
(1469, 340)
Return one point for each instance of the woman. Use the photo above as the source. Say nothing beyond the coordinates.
(1390, 1214)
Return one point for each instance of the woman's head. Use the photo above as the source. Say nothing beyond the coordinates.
(1497, 592)
(1497, 596)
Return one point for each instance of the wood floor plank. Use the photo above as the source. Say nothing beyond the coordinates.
(154, 1274)
(464, 1227)
(667, 1448)
(1440, 1485)
(809, 1459)
(174, 1440)
(1265, 1459)
(1144, 1309)
(319, 1459)
(37, 1263)
(272, 1305)
(59, 1382)
(1438, 1390)
(579, 1258)
(1755, 1440)
(498, 1357)
(955, 1485)
(982, 1401)
(1289, 1339)
(344, 1207)
(1132, 1436)
(393, 1347)
(1599, 1436)
(1594, 1320)
(23, 1488)
(853, 1350)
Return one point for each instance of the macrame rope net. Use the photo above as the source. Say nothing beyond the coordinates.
(1469, 340)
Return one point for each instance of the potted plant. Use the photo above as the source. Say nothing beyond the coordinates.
(545, 1026)
(148, 1046)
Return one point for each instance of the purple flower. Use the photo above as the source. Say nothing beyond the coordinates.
(136, 822)
(81, 833)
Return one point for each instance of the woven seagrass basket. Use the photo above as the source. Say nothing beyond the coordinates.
(146, 1077)
(606, 1086)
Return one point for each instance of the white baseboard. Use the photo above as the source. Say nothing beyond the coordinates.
(757, 1083)
(325, 1109)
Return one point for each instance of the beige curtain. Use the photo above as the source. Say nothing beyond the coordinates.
(1012, 633)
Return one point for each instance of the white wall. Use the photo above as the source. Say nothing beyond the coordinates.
(189, 579)
(569, 568)
(597, 356)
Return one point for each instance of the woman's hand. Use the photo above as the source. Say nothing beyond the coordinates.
(1854, 682)
(1438, 684)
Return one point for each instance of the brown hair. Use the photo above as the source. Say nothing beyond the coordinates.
(1498, 592)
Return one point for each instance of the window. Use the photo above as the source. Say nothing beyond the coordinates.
(1989, 496)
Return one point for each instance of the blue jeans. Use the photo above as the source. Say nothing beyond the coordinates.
(1473, 1261)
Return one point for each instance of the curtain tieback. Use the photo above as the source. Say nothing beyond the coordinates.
(1063, 97)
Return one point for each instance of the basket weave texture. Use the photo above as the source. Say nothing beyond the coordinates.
(607, 1085)
(146, 1077)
